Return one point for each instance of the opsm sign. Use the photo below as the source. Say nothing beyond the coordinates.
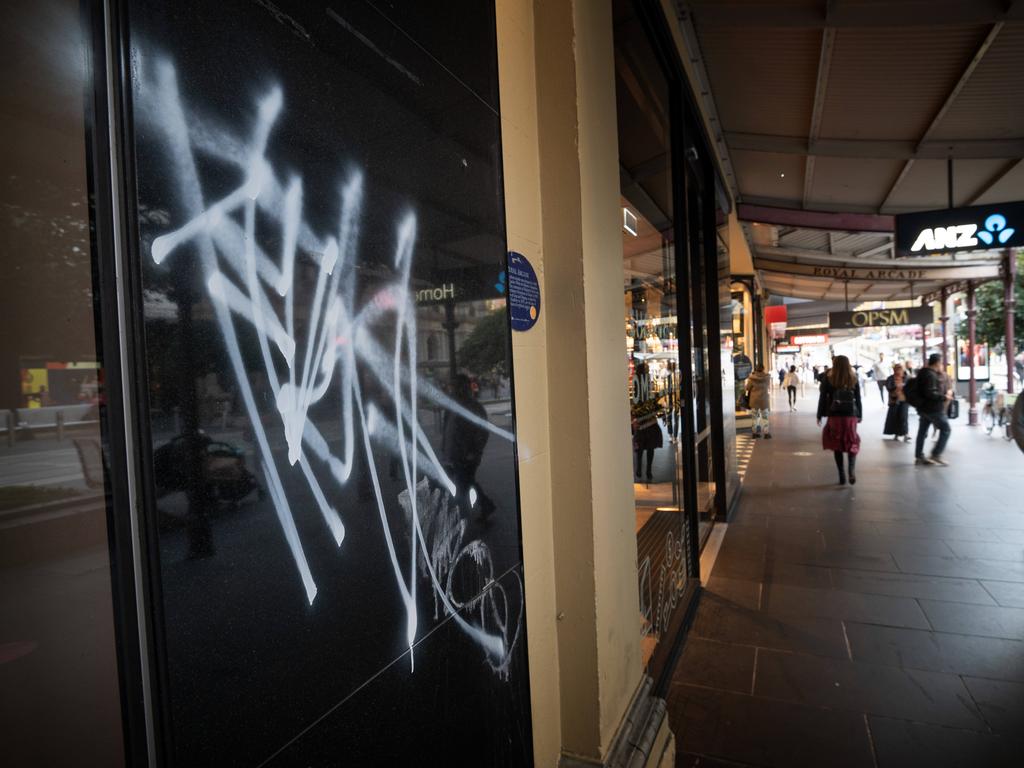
(872, 318)
(978, 228)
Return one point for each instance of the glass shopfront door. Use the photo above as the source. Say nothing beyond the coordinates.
(671, 289)
(700, 273)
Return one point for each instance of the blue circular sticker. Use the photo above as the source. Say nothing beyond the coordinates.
(523, 292)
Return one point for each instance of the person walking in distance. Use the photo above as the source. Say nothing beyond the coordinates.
(791, 382)
(759, 397)
(839, 403)
(881, 375)
(896, 419)
(929, 395)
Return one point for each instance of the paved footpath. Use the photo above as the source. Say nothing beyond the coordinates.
(874, 625)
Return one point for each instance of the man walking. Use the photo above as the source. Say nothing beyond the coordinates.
(931, 398)
(880, 373)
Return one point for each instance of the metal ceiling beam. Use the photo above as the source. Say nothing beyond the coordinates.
(828, 39)
(795, 204)
(859, 296)
(1003, 172)
(684, 18)
(776, 253)
(648, 168)
(633, 191)
(904, 172)
(964, 77)
(872, 251)
(878, 149)
(842, 221)
(783, 252)
(912, 13)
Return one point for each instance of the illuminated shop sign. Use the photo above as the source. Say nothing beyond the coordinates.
(817, 338)
(872, 318)
(960, 229)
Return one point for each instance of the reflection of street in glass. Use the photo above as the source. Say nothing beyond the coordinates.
(463, 448)
(211, 474)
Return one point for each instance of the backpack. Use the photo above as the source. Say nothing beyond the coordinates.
(912, 391)
(843, 403)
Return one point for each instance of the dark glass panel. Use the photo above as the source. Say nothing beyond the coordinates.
(321, 229)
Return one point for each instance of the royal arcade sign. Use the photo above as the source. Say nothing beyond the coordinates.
(878, 318)
(874, 274)
(978, 228)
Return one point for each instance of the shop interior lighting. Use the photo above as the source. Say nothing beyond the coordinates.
(629, 221)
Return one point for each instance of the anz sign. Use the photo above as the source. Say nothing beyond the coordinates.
(960, 229)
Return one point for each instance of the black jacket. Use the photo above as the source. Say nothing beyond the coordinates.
(827, 396)
(932, 390)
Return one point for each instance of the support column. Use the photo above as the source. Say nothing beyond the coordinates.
(1010, 303)
(944, 318)
(586, 660)
(924, 339)
(972, 311)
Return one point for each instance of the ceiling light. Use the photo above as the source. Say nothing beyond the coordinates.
(782, 175)
(629, 221)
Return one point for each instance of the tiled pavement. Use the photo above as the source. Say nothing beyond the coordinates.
(875, 625)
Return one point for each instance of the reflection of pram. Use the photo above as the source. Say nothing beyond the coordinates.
(223, 472)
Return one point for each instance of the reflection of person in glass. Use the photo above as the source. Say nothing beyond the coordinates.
(463, 448)
(646, 430)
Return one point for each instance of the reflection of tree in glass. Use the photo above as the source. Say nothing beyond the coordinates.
(45, 277)
(485, 349)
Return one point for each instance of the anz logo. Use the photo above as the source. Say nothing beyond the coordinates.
(964, 235)
(995, 229)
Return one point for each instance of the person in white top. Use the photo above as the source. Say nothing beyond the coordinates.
(791, 381)
(880, 370)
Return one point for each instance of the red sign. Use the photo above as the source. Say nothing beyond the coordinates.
(776, 318)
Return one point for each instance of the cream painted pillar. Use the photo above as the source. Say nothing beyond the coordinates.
(557, 80)
(521, 161)
(608, 504)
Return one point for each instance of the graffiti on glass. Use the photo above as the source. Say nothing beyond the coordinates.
(339, 343)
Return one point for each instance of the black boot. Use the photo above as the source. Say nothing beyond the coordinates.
(853, 463)
(839, 465)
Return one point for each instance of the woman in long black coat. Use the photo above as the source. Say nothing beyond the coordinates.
(897, 418)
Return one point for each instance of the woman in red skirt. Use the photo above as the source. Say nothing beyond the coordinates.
(839, 403)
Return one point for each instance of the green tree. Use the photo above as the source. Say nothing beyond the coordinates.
(485, 350)
(991, 317)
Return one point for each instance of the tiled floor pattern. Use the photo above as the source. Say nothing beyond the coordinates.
(744, 453)
(874, 625)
